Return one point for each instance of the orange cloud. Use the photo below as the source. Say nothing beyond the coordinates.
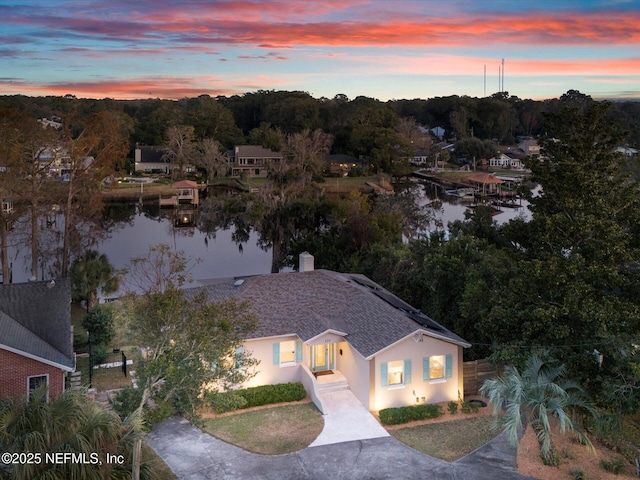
(156, 87)
(270, 23)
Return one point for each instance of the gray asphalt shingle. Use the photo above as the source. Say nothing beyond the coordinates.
(35, 318)
(310, 303)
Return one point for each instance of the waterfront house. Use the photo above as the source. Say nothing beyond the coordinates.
(35, 337)
(505, 161)
(315, 324)
(341, 163)
(252, 160)
(151, 159)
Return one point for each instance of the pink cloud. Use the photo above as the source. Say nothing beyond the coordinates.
(127, 89)
(284, 24)
(466, 65)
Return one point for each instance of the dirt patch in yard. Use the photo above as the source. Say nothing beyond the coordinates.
(573, 457)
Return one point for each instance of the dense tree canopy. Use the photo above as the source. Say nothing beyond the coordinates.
(188, 340)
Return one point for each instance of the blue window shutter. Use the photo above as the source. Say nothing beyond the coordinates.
(425, 369)
(298, 351)
(448, 366)
(276, 353)
(407, 372)
(384, 376)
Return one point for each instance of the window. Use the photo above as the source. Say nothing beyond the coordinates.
(437, 367)
(237, 358)
(287, 353)
(35, 382)
(396, 373)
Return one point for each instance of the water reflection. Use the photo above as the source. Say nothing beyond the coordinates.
(130, 229)
(451, 208)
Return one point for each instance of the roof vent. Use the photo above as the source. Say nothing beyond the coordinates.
(239, 282)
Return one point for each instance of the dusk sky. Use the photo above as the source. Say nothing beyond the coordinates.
(384, 49)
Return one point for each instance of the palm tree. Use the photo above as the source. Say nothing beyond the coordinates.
(537, 393)
(68, 424)
(90, 272)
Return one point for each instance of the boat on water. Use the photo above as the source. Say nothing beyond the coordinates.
(461, 192)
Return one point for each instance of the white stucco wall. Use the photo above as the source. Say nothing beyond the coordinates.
(268, 373)
(432, 391)
(356, 370)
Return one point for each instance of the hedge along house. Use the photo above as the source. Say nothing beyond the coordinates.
(315, 324)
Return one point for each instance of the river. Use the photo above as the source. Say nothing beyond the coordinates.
(130, 229)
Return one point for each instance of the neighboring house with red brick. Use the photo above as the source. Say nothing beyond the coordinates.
(35, 337)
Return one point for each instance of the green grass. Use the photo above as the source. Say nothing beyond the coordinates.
(448, 440)
(103, 378)
(269, 431)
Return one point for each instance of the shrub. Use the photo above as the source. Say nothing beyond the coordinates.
(577, 474)
(468, 407)
(257, 396)
(160, 411)
(226, 402)
(396, 416)
(452, 407)
(126, 400)
(613, 466)
(551, 459)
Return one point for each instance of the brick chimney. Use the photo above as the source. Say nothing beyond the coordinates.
(306, 262)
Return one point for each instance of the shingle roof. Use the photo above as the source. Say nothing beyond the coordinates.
(35, 318)
(255, 151)
(310, 303)
(150, 154)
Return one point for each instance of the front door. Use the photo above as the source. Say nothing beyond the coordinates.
(322, 357)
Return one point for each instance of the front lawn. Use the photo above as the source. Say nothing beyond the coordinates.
(269, 431)
(448, 440)
(103, 379)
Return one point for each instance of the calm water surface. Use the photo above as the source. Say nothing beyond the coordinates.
(135, 228)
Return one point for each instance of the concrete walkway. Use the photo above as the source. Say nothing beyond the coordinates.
(346, 419)
(193, 455)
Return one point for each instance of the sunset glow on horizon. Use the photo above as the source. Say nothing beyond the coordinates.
(377, 48)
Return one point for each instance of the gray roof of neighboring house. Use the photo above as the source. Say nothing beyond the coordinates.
(255, 151)
(310, 303)
(151, 154)
(35, 318)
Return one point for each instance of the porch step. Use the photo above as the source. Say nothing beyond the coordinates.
(333, 387)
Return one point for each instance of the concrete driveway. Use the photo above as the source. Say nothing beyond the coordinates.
(193, 455)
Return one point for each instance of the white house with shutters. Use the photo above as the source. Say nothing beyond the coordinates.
(315, 324)
(505, 161)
